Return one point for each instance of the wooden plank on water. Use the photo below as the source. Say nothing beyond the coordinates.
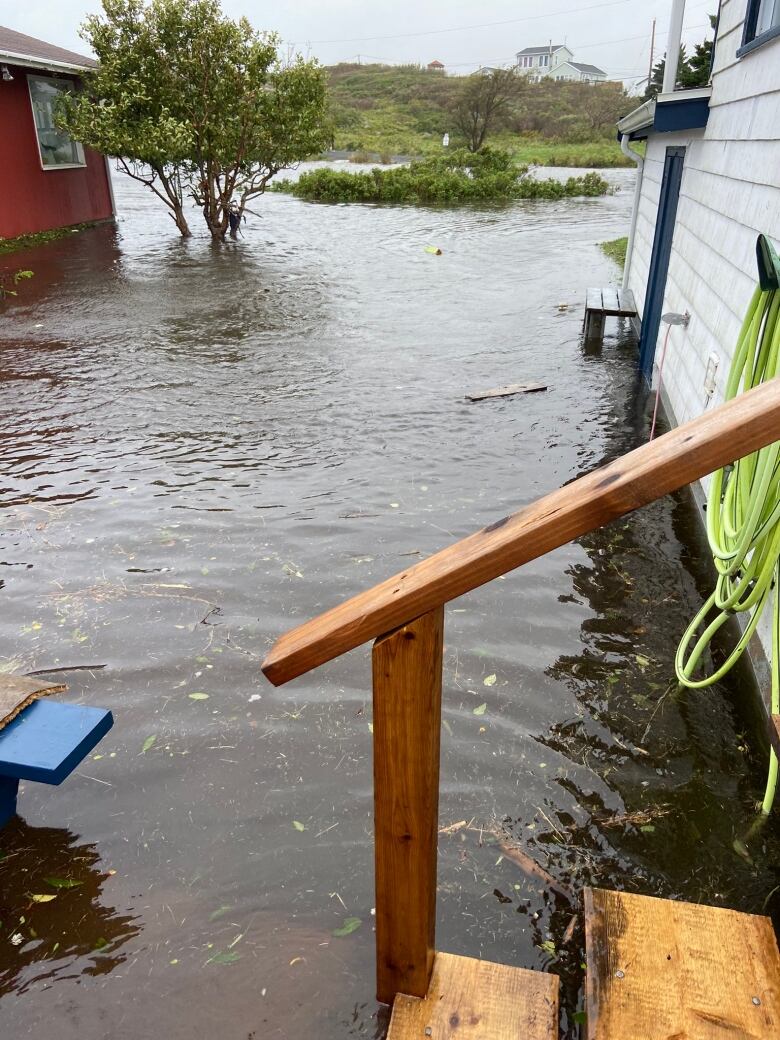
(593, 300)
(714, 439)
(507, 391)
(407, 667)
(659, 969)
(609, 300)
(19, 691)
(470, 999)
(774, 733)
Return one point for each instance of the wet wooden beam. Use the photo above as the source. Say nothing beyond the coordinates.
(479, 1000)
(660, 969)
(689, 452)
(407, 667)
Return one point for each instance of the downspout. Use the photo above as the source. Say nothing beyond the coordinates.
(673, 46)
(640, 169)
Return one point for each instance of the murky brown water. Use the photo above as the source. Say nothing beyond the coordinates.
(200, 448)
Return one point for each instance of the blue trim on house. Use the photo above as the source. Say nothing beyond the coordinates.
(686, 114)
(758, 41)
(659, 259)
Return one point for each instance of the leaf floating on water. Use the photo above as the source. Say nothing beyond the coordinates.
(481, 709)
(642, 661)
(198, 696)
(489, 680)
(549, 947)
(219, 912)
(351, 924)
(149, 743)
(100, 943)
(225, 957)
(647, 829)
(298, 825)
(39, 898)
(580, 1018)
(61, 882)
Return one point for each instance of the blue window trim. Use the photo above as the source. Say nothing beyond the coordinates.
(750, 41)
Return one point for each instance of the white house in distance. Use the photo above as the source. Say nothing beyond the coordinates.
(556, 61)
(707, 187)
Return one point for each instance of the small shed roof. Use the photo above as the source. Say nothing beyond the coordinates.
(18, 49)
(435, 64)
(542, 50)
(593, 70)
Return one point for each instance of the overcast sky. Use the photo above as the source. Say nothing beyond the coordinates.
(613, 34)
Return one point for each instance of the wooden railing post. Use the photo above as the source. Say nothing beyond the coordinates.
(407, 669)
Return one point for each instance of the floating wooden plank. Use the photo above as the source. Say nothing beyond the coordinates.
(407, 725)
(19, 691)
(507, 391)
(774, 733)
(659, 969)
(470, 999)
(714, 439)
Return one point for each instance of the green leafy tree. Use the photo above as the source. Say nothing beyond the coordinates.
(483, 100)
(655, 86)
(194, 104)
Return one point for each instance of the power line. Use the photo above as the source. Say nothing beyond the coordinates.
(465, 28)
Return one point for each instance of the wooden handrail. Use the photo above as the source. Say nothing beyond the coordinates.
(689, 452)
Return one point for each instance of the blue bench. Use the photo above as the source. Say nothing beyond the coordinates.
(45, 743)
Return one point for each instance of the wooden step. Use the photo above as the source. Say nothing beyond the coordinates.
(470, 999)
(659, 969)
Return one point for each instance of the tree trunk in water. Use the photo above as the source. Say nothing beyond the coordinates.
(181, 222)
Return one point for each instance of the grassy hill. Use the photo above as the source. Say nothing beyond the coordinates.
(405, 110)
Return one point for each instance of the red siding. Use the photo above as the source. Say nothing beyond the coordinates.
(31, 198)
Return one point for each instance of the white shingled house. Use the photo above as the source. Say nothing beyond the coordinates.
(707, 187)
(555, 60)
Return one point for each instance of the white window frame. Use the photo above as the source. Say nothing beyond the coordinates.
(544, 61)
(62, 85)
(768, 16)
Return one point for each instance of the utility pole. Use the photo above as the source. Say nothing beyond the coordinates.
(652, 48)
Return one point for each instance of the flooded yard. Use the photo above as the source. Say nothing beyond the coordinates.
(201, 447)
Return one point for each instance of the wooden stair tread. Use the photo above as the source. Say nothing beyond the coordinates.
(471, 999)
(659, 969)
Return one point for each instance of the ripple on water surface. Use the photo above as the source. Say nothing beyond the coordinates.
(201, 447)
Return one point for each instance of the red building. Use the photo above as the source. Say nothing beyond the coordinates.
(46, 179)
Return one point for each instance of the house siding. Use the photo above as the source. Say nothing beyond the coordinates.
(730, 193)
(33, 199)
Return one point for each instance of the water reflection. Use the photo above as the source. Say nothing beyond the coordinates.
(55, 925)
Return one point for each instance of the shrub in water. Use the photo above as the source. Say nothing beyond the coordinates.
(457, 176)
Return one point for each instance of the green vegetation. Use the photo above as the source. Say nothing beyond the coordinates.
(195, 105)
(405, 110)
(616, 250)
(9, 281)
(459, 176)
(13, 245)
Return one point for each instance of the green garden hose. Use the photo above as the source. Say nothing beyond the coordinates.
(743, 513)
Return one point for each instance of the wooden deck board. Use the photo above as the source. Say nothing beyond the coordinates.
(659, 969)
(470, 999)
(506, 391)
(19, 691)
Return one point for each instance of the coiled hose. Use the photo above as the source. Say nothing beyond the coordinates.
(743, 524)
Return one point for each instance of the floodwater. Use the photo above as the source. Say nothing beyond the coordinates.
(202, 447)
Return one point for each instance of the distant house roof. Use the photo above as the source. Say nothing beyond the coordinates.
(435, 64)
(542, 50)
(592, 70)
(18, 49)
